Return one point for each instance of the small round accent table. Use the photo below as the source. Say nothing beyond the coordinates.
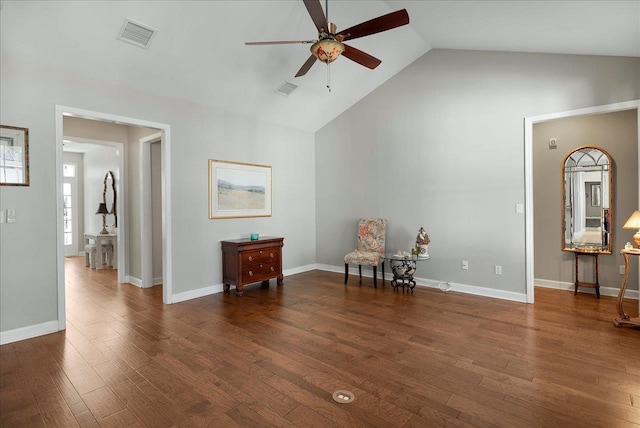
(403, 268)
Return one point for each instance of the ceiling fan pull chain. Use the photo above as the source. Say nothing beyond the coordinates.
(329, 76)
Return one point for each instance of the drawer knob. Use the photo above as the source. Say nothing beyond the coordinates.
(271, 255)
(250, 273)
(260, 251)
(272, 269)
(250, 258)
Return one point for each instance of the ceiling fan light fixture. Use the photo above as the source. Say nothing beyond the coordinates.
(327, 50)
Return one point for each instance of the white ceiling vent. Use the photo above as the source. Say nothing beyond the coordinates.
(136, 33)
(286, 88)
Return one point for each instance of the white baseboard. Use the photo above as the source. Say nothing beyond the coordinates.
(605, 291)
(300, 269)
(472, 289)
(442, 285)
(217, 288)
(28, 332)
(195, 294)
(133, 281)
(138, 282)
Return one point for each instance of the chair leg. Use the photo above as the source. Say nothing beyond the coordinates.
(383, 272)
(360, 271)
(375, 277)
(346, 273)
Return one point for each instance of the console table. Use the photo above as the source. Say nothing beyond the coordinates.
(624, 319)
(578, 283)
(245, 262)
(100, 240)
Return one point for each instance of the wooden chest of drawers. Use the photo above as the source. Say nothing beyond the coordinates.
(246, 262)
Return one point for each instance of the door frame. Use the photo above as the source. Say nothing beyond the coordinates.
(60, 112)
(146, 235)
(528, 172)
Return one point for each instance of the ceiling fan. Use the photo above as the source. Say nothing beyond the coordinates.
(329, 45)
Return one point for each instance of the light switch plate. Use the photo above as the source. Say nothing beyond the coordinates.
(11, 215)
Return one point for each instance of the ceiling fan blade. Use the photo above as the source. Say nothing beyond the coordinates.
(317, 14)
(360, 57)
(306, 66)
(279, 42)
(375, 25)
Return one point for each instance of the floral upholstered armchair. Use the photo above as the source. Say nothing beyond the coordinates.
(370, 249)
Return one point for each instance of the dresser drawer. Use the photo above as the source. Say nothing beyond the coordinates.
(250, 258)
(256, 273)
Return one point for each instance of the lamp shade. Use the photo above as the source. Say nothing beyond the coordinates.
(633, 222)
(327, 50)
(102, 209)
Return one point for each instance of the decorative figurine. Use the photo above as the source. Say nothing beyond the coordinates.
(422, 242)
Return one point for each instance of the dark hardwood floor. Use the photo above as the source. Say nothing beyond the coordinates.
(275, 356)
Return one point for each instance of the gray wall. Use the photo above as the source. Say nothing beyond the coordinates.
(616, 133)
(441, 145)
(30, 92)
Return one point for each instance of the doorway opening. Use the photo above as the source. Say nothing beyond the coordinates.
(124, 229)
(529, 211)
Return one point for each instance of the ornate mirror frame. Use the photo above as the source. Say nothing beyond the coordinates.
(587, 201)
(14, 156)
(104, 196)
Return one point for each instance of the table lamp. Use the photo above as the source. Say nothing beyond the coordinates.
(102, 209)
(634, 223)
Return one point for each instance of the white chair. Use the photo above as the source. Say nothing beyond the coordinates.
(90, 255)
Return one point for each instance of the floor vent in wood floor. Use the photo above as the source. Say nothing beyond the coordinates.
(343, 397)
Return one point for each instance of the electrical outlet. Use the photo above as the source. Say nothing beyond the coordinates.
(465, 265)
(498, 270)
(621, 268)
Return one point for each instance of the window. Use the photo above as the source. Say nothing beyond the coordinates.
(69, 170)
(67, 213)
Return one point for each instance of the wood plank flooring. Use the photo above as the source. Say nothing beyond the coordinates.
(275, 356)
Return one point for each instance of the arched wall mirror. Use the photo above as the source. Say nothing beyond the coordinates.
(109, 196)
(587, 195)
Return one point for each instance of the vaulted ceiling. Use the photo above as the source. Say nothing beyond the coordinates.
(198, 53)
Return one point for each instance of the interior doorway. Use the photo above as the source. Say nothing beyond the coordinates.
(529, 211)
(124, 227)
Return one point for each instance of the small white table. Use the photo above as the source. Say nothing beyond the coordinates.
(100, 239)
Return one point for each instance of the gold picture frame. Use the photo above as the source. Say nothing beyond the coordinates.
(239, 190)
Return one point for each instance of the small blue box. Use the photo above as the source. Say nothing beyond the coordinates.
(254, 236)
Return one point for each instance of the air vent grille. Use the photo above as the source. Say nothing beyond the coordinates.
(286, 88)
(136, 33)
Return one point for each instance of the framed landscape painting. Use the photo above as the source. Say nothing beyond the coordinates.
(239, 190)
